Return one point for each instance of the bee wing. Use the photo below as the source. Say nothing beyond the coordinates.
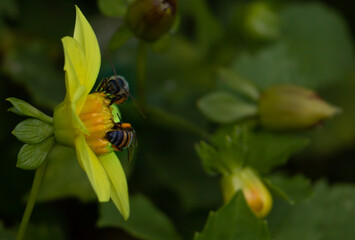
(131, 147)
(130, 152)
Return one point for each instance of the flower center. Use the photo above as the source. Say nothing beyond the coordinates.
(97, 117)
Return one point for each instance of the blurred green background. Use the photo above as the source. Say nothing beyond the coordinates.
(309, 43)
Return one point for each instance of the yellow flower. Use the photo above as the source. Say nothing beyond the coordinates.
(82, 119)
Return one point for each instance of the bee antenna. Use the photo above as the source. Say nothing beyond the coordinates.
(136, 104)
(110, 61)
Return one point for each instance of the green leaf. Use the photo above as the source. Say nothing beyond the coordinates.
(122, 35)
(223, 107)
(233, 221)
(264, 157)
(271, 65)
(146, 221)
(33, 131)
(320, 42)
(328, 215)
(314, 50)
(162, 44)
(238, 84)
(113, 8)
(28, 110)
(64, 178)
(17, 112)
(292, 189)
(32, 156)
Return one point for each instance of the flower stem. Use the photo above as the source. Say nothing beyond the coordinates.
(31, 201)
(141, 72)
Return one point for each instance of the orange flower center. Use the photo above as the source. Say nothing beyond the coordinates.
(97, 118)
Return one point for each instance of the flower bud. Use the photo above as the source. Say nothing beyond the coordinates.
(288, 107)
(256, 194)
(150, 19)
(262, 21)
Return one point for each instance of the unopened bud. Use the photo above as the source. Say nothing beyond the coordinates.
(289, 107)
(256, 194)
(150, 19)
(262, 21)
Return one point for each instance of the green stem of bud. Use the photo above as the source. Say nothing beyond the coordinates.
(31, 201)
(141, 72)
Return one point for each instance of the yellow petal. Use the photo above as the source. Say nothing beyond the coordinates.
(85, 36)
(119, 190)
(93, 168)
(74, 66)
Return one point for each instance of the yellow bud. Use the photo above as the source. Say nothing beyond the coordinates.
(150, 19)
(256, 194)
(289, 107)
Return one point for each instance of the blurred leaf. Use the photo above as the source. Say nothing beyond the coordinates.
(113, 8)
(9, 8)
(33, 131)
(31, 65)
(162, 44)
(28, 110)
(315, 50)
(208, 29)
(328, 215)
(32, 156)
(268, 150)
(45, 231)
(64, 178)
(122, 35)
(292, 189)
(223, 107)
(238, 84)
(319, 40)
(233, 221)
(146, 221)
(6, 234)
(271, 65)
(172, 120)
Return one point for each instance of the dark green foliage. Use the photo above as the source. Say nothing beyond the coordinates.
(234, 221)
(204, 79)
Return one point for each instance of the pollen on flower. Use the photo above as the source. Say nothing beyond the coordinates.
(97, 118)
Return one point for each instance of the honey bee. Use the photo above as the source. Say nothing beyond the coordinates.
(123, 136)
(116, 89)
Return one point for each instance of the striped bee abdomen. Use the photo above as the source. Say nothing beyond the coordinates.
(119, 138)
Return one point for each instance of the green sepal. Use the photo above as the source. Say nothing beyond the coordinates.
(238, 83)
(33, 131)
(234, 220)
(31, 156)
(28, 110)
(227, 153)
(120, 37)
(113, 8)
(224, 107)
